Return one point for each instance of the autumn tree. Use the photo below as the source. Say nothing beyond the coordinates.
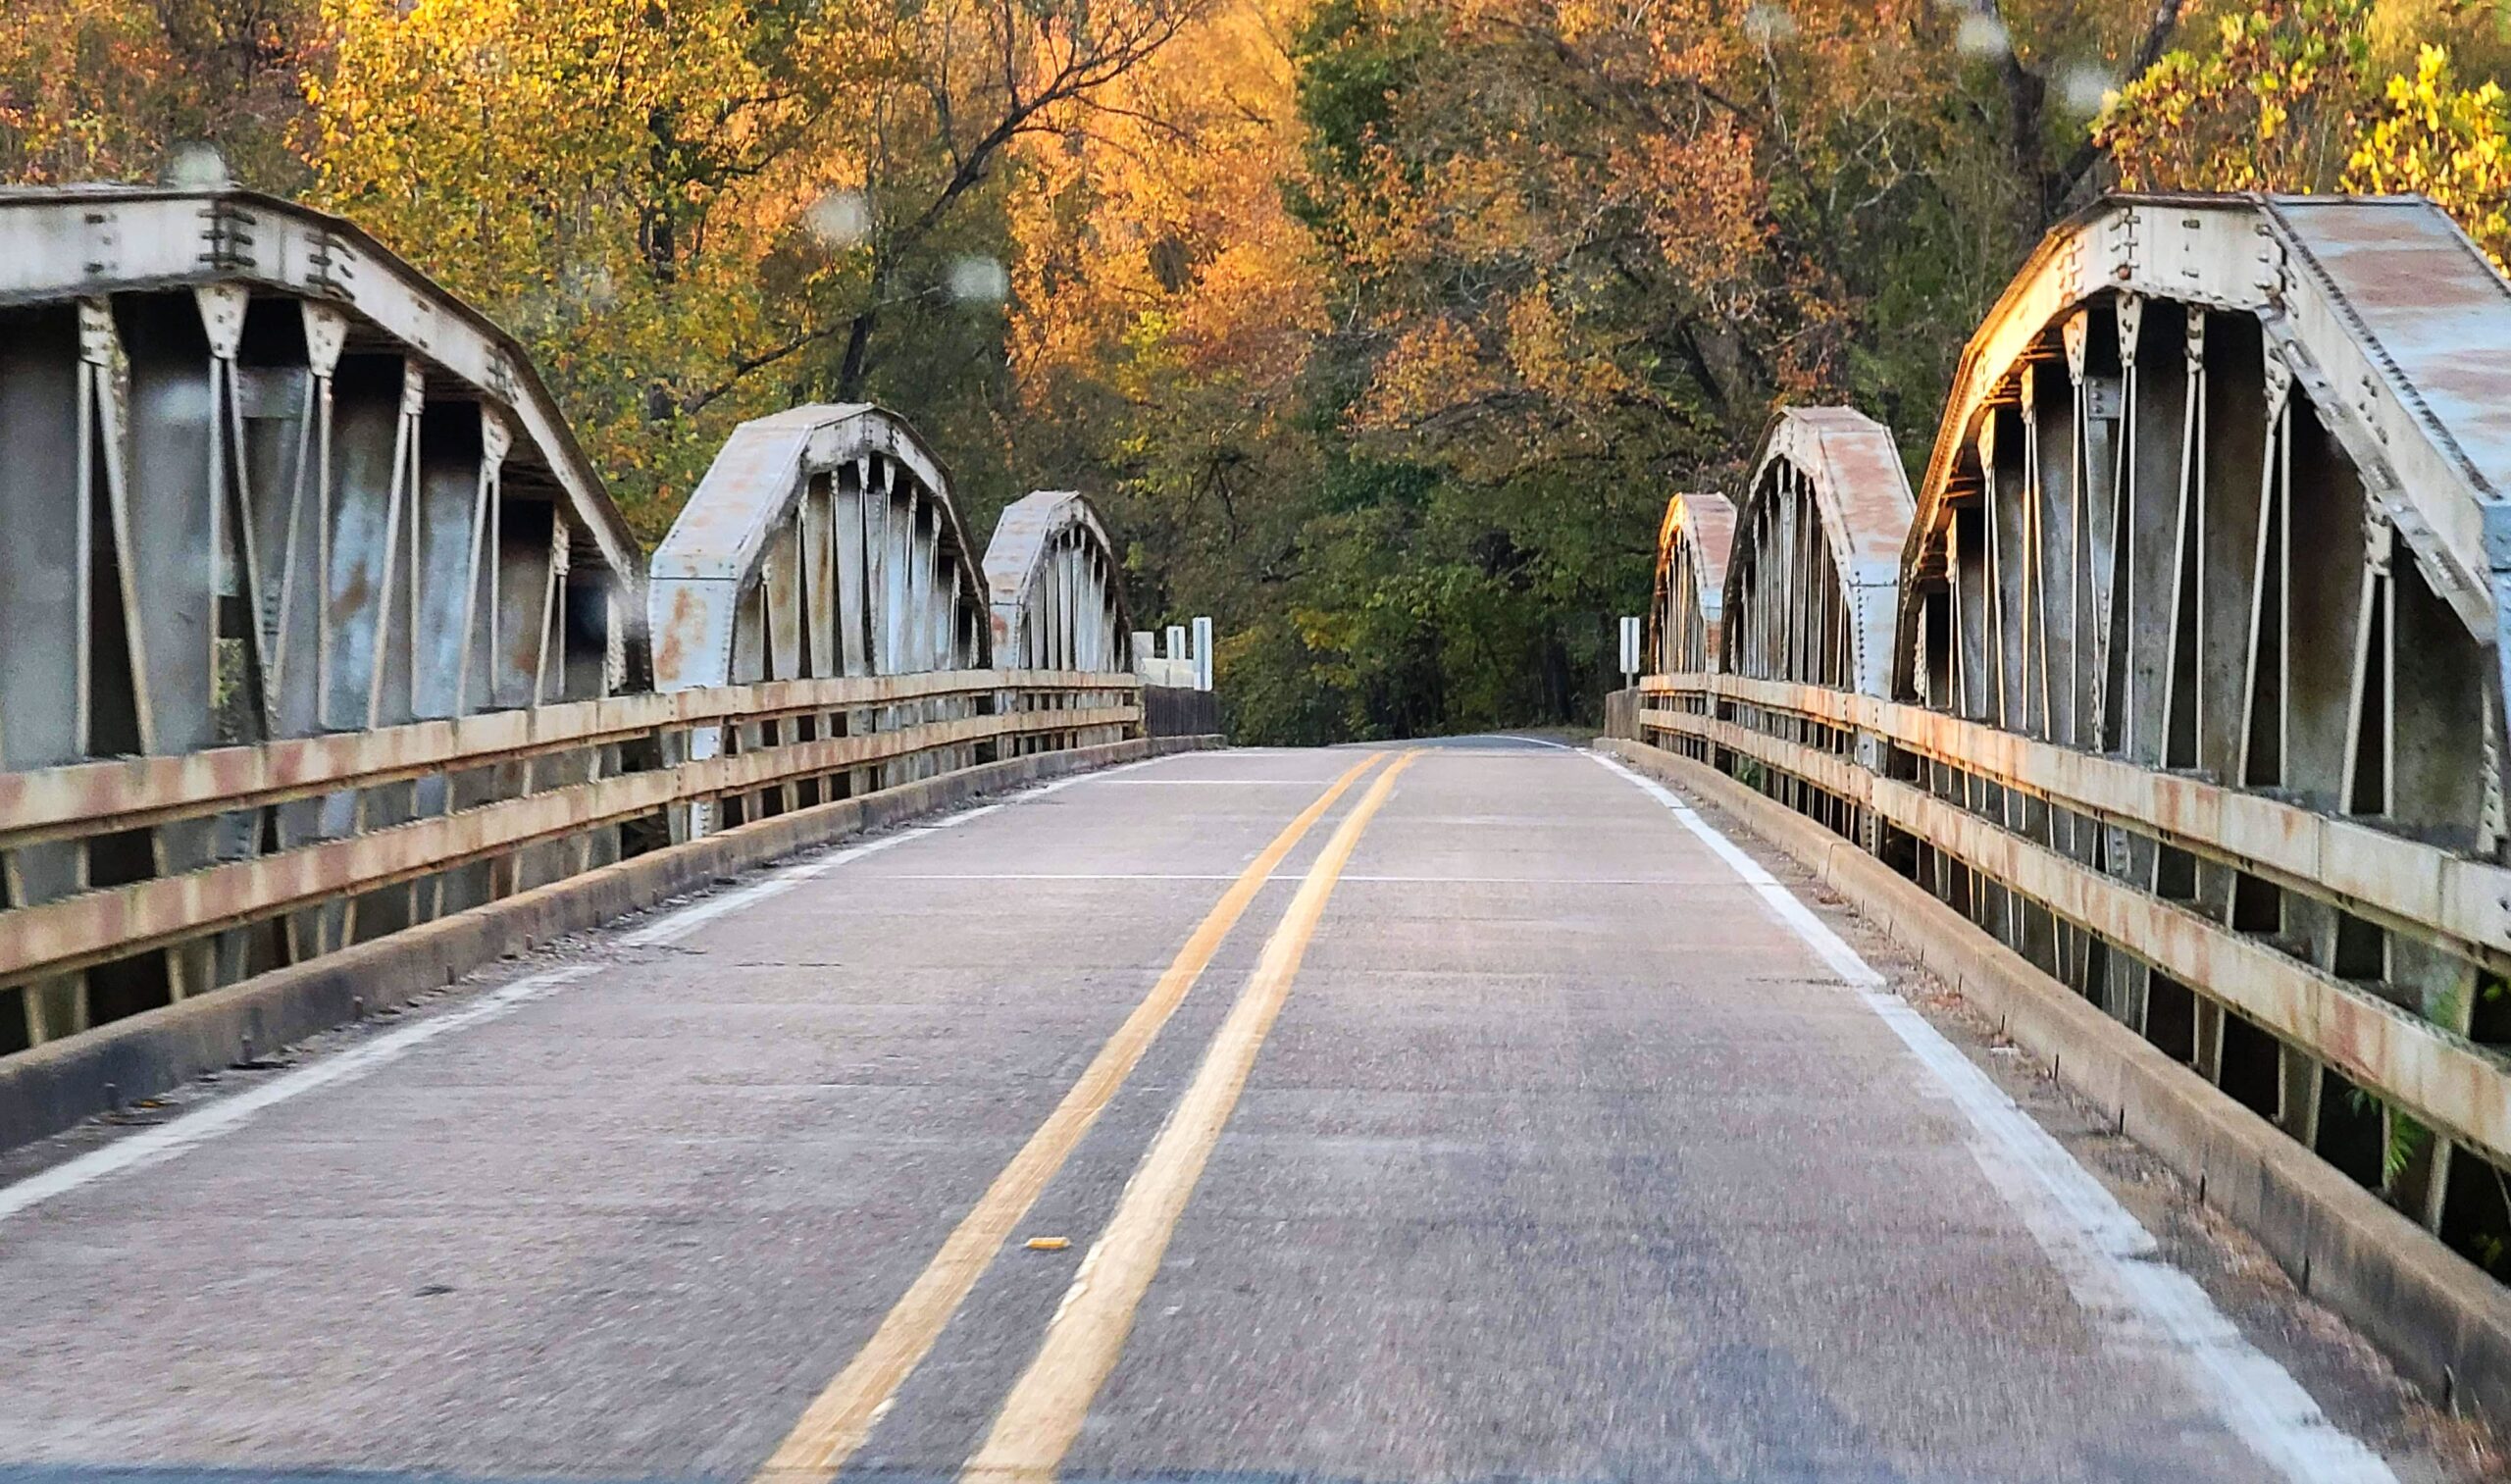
(1577, 251)
(694, 209)
(106, 90)
(2294, 97)
(1164, 304)
(1380, 328)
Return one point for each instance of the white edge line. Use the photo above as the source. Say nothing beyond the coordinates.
(2112, 1266)
(175, 1136)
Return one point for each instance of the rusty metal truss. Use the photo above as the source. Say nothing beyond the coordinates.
(1057, 592)
(317, 625)
(2193, 691)
(1810, 579)
(821, 542)
(1056, 588)
(1692, 544)
(1817, 553)
(260, 481)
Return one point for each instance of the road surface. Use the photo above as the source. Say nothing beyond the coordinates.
(1364, 1114)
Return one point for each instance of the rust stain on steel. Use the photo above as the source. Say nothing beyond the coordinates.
(672, 635)
(2458, 1087)
(73, 932)
(2463, 900)
(87, 798)
(1860, 465)
(1700, 524)
(2437, 310)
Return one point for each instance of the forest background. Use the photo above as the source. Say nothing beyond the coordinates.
(1380, 330)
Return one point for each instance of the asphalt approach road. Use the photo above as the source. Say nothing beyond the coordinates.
(1460, 1112)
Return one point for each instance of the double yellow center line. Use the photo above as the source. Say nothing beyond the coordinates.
(1044, 1411)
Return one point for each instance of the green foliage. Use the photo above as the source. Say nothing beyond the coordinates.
(1412, 606)
(1353, 62)
(2403, 1142)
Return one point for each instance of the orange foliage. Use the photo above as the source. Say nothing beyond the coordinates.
(1164, 299)
(101, 89)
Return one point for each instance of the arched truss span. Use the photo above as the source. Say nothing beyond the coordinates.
(2217, 512)
(1811, 579)
(261, 483)
(1692, 544)
(1058, 595)
(2213, 494)
(821, 542)
(322, 492)
(2196, 698)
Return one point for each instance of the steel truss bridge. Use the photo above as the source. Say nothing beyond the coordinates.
(1533, 1125)
(320, 628)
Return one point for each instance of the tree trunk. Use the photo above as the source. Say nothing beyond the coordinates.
(857, 367)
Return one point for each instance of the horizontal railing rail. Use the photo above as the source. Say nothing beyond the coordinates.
(361, 827)
(121, 793)
(2397, 881)
(2444, 1079)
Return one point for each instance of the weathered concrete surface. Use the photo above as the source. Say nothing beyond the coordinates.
(1563, 1161)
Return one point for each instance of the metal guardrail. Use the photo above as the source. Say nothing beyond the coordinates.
(261, 486)
(557, 793)
(2447, 1081)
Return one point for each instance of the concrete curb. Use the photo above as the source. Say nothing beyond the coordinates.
(59, 1083)
(2443, 1323)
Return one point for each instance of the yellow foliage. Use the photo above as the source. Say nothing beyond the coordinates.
(1153, 259)
(1432, 364)
(2449, 142)
(606, 180)
(2286, 102)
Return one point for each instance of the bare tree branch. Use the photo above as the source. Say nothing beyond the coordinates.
(2158, 34)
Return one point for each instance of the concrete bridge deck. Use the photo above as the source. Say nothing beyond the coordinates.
(1521, 1127)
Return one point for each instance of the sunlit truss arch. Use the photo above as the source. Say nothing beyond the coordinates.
(2219, 497)
(1691, 581)
(1809, 586)
(2197, 699)
(259, 481)
(1815, 561)
(821, 542)
(1056, 589)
